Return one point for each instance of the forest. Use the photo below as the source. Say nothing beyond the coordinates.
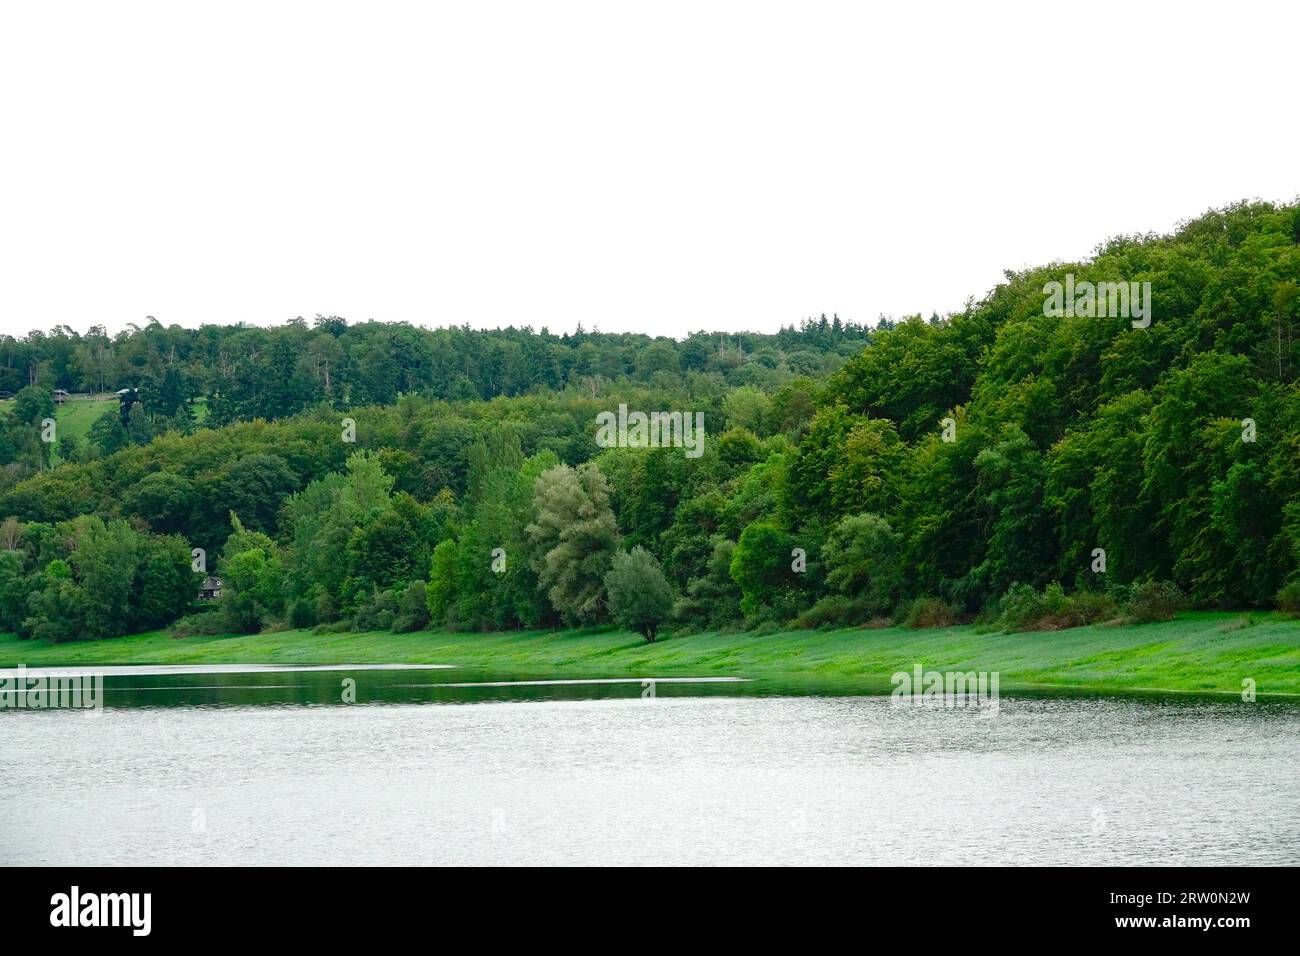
(1006, 463)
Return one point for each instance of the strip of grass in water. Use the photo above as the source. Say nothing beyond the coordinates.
(1200, 652)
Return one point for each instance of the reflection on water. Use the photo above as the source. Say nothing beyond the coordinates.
(197, 768)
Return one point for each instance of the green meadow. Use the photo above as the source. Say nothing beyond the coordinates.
(1200, 652)
(74, 418)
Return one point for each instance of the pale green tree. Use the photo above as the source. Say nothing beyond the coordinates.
(573, 540)
(640, 598)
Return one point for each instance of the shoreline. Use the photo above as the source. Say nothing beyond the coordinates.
(1205, 653)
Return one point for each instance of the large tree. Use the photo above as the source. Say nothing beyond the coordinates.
(574, 538)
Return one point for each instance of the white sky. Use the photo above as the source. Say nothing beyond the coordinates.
(655, 167)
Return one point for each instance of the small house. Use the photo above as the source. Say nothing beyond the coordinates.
(211, 589)
(60, 396)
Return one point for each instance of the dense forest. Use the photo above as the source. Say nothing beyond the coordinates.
(1006, 461)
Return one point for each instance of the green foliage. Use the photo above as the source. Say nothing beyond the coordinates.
(252, 591)
(88, 579)
(1288, 598)
(640, 598)
(1024, 609)
(164, 581)
(915, 372)
(104, 563)
(1155, 601)
(863, 560)
(713, 598)
(301, 612)
(440, 594)
(14, 589)
(749, 408)
(931, 612)
(412, 612)
(1172, 449)
(837, 610)
(573, 538)
(762, 566)
(32, 404)
(201, 624)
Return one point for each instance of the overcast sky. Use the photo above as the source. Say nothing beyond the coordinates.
(656, 167)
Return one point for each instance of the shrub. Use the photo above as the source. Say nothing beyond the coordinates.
(327, 610)
(1093, 608)
(1121, 594)
(760, 564)
(1288, 599)
(931, 612)
(302, 613)
(836, 611)
(1024, 609)
(202, 624)
(1155, 601)
(377, 613)
(1020, 607)
(412, 609)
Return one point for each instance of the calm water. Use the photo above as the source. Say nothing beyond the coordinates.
(453, 767)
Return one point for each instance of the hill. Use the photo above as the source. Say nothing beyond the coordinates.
(1106, 440)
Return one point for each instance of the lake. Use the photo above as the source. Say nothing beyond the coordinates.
(446, 766)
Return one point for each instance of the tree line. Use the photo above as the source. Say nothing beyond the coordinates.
(1038, 469)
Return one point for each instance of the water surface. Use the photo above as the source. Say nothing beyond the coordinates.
(271, 767)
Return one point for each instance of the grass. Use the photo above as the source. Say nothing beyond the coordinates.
(1200, 652)
(74, 417)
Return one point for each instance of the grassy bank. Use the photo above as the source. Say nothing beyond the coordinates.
(1199, 652)
(75, 417)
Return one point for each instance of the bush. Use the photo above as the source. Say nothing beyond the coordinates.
(412, 609)
(302, 613)
(1288, 599)
(1093, 608)
(202, 624)
(377, 613)
(931, 612)
(327, 610)
(1024, 609)
(836, 611)
(1155, 601)
(1020, 607)
(1121, 594)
